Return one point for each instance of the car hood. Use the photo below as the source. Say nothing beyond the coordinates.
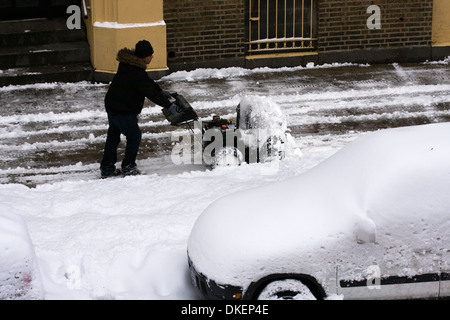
(310, 219)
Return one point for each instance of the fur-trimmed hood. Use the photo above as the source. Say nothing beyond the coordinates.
(127, 56)
(131, 85)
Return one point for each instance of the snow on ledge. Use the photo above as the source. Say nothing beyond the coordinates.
(115, 25)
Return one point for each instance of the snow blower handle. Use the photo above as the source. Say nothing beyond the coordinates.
(181, 113)
(172, 96)
(181, 101)
(167, 94)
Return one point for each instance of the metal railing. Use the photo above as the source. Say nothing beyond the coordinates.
(85, 9)
(277, 26)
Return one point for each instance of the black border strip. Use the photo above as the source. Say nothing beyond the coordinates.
(428, 277)
(445, 276)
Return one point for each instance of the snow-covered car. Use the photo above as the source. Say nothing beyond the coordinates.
(19, 273)
(370, 222)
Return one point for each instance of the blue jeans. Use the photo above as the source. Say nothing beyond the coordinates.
(126, 124)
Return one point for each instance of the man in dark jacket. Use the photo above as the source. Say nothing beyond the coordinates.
(124, 101)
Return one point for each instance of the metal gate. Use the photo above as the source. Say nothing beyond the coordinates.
(281, 26)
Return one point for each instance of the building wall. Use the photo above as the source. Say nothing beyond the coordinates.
(212, 33)
(404, 23)
(404, 33)
(201, 30)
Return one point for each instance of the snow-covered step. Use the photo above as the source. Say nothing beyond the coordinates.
(71, 72)
(46, 54)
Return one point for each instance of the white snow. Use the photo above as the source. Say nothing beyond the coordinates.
(127, 238)
(123, 238)
(391, 187)
(116, 25)
(213, 73)
(262, 113)
(19, 273)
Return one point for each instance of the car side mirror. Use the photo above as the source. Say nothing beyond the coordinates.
(366, 230)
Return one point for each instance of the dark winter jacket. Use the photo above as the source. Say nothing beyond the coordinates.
(130, 86)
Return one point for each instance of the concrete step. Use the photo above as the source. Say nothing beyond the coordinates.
(72, 72)
(38, 31)
(47, 54)
(43, 50)
(25, 9)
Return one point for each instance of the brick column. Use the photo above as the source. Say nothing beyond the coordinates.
(115, 24)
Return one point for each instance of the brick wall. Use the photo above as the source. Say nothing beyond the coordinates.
(211, 33)
(404, 23)
(199, 30)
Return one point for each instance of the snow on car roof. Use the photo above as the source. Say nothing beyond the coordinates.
(385, 177)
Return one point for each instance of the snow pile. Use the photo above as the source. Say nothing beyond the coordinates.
(213, 73)
(19, 274)
(445, 61)
(123, 238)
(115, 25)
(390, 186)
(262, 122)
(259, 112)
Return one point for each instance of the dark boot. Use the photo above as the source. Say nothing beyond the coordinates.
(109, 173)
(130, 170)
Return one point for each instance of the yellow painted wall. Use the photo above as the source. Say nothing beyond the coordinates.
(116, 24)
(441, 23)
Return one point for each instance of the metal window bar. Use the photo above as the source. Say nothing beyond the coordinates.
(277, 26)
(85, 9)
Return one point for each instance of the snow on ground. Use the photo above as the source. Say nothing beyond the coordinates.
(126, 238)
(390, 186)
